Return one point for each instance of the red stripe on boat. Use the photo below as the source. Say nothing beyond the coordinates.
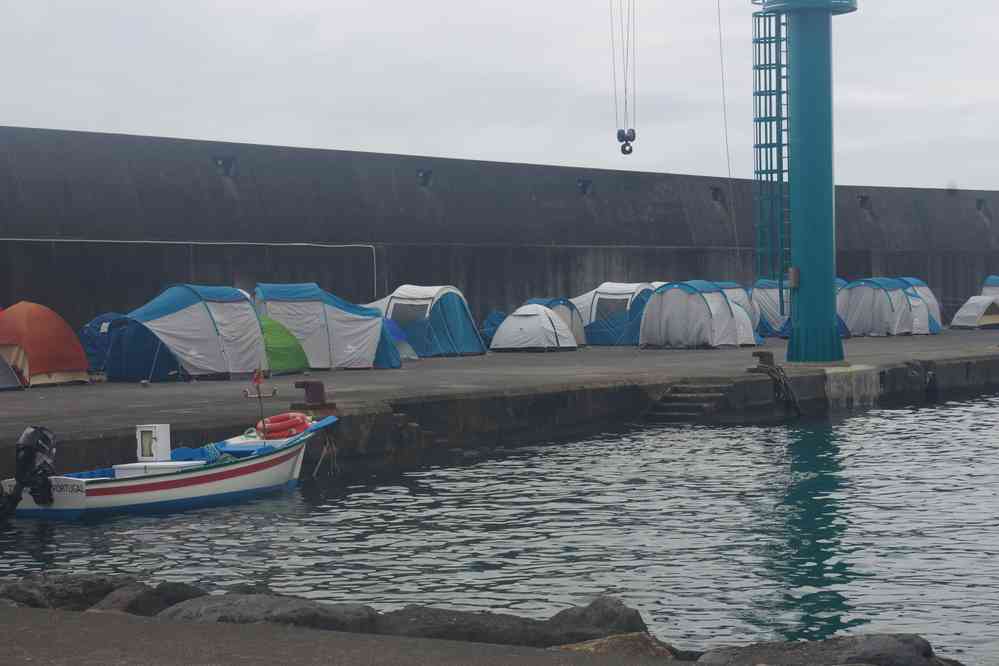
(191, 481)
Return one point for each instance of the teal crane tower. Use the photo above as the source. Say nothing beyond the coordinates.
(794, 167)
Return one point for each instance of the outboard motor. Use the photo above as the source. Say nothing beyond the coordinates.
(34, 460)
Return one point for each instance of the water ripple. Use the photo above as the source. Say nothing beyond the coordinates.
(887, 521)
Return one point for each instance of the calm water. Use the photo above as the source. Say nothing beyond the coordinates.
(887, 521)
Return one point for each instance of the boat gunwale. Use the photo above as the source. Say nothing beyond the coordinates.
(193, 470)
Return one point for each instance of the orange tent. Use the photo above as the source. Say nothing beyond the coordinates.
(40, 345)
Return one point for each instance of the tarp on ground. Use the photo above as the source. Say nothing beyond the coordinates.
(284, 354)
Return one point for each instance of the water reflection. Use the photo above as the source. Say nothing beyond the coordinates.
(808, 561)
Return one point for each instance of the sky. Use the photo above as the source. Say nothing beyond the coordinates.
(916, 89)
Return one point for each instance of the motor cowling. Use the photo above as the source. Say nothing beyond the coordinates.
(35, 463)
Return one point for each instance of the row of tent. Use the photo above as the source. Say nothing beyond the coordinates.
(196, 331)
(191, 331)
(706, 314)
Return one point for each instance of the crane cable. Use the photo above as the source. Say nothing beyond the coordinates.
(724, 98)
(626, 27)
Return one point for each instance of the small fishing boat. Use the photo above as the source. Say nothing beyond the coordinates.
(164, 479)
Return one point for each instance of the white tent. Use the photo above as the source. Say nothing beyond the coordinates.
(739, 295)
(746, 332)
(210, 330)
(876, 307)
(436, 320)
(568, 312)
(533, 327)
(932, 304)
(689, 314)
(978, 312)
(333, 333)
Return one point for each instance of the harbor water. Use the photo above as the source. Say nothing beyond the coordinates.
(887, 521)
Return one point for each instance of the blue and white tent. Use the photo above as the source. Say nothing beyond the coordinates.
(568, 312)
(934, 324)
(333, 332)
(612, 313)
(739, 295)
(990, 287)
(190, 329)
(766, 300)
(436, 320)
(884, 306)
(211, 330)
(695, 313)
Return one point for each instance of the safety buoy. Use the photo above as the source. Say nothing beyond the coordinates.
(282, 426)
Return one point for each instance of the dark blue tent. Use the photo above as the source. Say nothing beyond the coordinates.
(490, 325)
(126, 351)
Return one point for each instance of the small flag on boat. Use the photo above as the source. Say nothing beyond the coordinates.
(258, 377)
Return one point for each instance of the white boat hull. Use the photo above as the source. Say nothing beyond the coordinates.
(191, 488)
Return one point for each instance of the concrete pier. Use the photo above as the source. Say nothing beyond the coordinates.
(434, 405)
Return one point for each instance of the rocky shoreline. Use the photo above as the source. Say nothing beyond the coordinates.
(604, 627)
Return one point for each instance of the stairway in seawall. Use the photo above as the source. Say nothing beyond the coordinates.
(689, 403)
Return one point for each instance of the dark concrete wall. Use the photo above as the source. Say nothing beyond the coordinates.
(500, 232)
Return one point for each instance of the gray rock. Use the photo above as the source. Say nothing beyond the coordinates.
(141, 599)
(64, 592)
(625, 645)
(604, 616)
(9, 603)
(477, 627)
(249, 608)
(875, 649)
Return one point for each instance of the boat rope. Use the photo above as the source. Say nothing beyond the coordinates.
(783, 391)
(725, 132)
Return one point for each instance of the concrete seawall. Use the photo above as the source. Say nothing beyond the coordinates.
(91, 223)
(439, 406)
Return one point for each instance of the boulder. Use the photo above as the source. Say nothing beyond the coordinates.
(604, 616)
(477, 627)
(141, 599)
(875, 649)
(64, 592)
(250, 608)
(9, 603)
(639, 644)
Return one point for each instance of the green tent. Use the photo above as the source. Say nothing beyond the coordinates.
(284, 354)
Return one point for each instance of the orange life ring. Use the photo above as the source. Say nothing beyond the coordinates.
(282, 426)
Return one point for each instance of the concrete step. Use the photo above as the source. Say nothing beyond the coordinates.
(699, 388)
(683, 408)
(692, 397)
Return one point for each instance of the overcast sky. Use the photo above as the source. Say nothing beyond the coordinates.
(917, 93)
